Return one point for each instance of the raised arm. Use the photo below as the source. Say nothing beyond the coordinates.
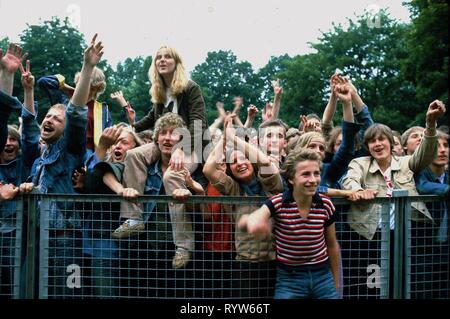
(28, 87)
(252, 111)
(92, 56)
(278, 93)
(330, 108)
(9, 64)
(427, 150)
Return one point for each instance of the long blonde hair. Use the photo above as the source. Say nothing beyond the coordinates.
(179, 82)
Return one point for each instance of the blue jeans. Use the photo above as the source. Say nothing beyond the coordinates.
(299, 283)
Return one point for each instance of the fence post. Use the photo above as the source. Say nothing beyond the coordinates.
(399, 253)
(30, 278)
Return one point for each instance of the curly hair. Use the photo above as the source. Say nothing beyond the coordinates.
(168, 119)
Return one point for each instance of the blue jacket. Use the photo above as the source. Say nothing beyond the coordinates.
(17, 171)
(333, 171)
(153, 186)
(53, 172)
(429, 184)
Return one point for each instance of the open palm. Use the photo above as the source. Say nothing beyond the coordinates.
(12, 59)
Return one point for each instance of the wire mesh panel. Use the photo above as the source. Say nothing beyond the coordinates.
(366, 262)
(427, 266)
(11, 230)
(80, 257)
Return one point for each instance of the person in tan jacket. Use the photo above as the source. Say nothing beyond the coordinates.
(378, 175)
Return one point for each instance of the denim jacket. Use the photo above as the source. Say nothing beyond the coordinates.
(16, 171)
(153, 186)
(53, 172)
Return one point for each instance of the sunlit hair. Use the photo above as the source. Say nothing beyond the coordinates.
(408, 132)
(376, 130)
(167, 120)
(297, 156)
(158, 87)
(306, 138)
(97, 82)
(59, 107)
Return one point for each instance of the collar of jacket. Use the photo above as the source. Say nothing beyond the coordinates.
(395, 164)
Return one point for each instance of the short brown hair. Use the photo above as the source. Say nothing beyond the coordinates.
(376, 130)
(296, 156)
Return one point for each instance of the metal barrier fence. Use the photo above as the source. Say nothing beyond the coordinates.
(62, 247)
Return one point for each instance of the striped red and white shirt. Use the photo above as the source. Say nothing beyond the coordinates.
(301, 241)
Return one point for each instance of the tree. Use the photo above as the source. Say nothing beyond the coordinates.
(222, 77)
(426, 65)
(270, 72)
(371, 56)
(131, 77)
(54, 47)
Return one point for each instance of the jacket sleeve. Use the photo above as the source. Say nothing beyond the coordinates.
(354, 180)
(75, 130)
(424, 154)
(30, 137)
(197, 113)
(147, 122)
(51, 85)
(338, 165)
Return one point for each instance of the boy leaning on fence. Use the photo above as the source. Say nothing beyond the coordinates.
(305, 236)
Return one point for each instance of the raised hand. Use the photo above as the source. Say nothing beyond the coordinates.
(277, 89)
(27, 77)
(131, 114)
(221, 109)
(342, 91)
(252, 111)
(436, 109)
(93, 53)
(13, 58)
(109, 136)
(118, 97)
(267, 112)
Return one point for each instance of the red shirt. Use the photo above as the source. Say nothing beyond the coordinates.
(218, 232)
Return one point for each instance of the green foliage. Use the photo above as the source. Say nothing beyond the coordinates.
(55, 47)
(222, 77)
(426, 65)
(370, 56)
(131, 77)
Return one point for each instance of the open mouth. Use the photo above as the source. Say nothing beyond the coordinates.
(117, 154)
(48, 129)
(8, 150)
(242, 169)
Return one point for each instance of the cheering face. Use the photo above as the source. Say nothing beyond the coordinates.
(240, 167)
(10, 151)
(168, 137)
(52, 127)
(318, 145)
(124, 143)
(413, 141)
(380, 148)
(165, 63)
(442, 154)
(306, 178)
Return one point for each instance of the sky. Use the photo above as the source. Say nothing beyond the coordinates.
(254, 30)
